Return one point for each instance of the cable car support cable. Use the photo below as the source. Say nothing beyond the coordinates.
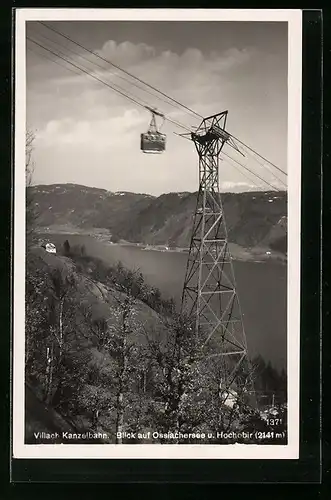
(116, 89)
(238, 169)
(257, 154)
(48, 58)
(55, 42)
(143, 104)
(264, 165)
(121, 69)
(231, 164)
(249, 170)
(156, 90)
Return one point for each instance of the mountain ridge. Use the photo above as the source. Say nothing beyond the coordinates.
(254, 219)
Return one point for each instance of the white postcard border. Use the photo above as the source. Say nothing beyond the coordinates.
(155, 451)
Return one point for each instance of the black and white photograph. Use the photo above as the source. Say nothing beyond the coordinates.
(157, 233)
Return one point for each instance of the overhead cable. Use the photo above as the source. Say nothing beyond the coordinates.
(121, 69)
(116, 75)
(251, 171)
(115, 88)
(253, 151)
(153, 88)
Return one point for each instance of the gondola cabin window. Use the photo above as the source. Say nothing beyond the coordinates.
(152, 142)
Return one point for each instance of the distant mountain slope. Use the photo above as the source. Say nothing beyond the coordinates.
(83, 206)
(253, 219)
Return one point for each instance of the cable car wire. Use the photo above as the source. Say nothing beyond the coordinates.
(119, 76)
(78, 74)
(87, 72)
(141, 103)
(155, 89)
(116, 89)
(253, 151)
(121, 69)
(251, 179)
(116, 75)
(234, 166)
(45, 56)
(263, 165)
(249, 170)
(63, 55)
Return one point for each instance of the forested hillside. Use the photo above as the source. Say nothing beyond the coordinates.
(253, 219)
(106, 354)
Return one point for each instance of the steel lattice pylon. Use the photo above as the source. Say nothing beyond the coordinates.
(209, 292)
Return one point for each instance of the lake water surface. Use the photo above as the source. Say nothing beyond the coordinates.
(261, 286)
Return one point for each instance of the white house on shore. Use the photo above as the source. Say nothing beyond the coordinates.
(49, 247)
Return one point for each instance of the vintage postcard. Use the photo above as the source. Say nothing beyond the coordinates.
(157, 233)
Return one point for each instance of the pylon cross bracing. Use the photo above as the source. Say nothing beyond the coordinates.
(209, 293)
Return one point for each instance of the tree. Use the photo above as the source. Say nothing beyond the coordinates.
(178, 382)
(283, 385)
(30, 208)
(116, 363)
(36, 321)
(61, 318)
(122, 349)
(114, 238)
(187, 383)
(66, 248)
(57, 345)
(29, 165)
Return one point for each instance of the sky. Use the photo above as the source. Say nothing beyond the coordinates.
(86, 133)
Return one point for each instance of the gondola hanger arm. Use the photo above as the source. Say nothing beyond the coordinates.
(155, 111)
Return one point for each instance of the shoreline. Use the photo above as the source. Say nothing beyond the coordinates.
(237, 252)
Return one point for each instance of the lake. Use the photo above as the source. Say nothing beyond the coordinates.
(261, 286)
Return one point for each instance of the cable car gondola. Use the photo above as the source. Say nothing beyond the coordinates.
(153, 141)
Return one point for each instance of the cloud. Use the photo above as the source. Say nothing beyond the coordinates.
(237, 186)
(126, 53)
(191, 77)
(82, 124)
(95, 134)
